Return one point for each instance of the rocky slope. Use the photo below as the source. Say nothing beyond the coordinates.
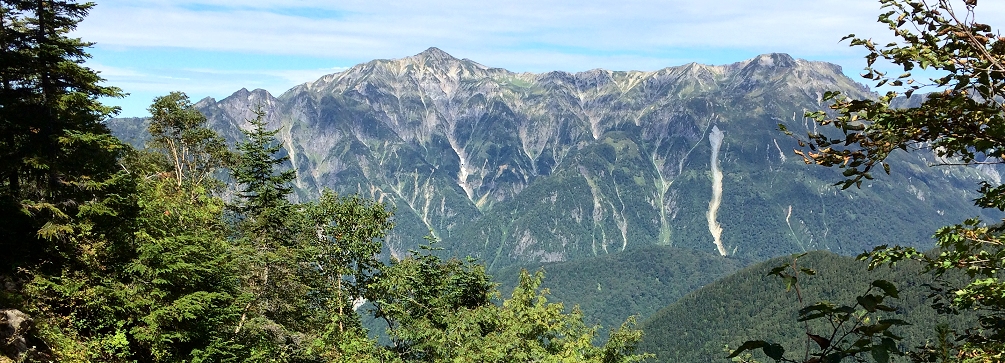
(518, 168)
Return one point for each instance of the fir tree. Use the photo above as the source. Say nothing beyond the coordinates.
(67, 205)
(278, 317)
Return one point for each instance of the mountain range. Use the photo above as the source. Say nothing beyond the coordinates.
(529, 168)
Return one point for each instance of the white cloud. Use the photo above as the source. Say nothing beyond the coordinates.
(520, 35)
(143, 85)
(375, 29)
(366, 29)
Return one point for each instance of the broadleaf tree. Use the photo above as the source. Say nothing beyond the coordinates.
(961, 119)
(449, 311)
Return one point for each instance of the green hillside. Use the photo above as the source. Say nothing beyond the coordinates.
(749, 305)
(641, 281)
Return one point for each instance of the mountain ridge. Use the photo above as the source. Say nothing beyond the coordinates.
(520, 168)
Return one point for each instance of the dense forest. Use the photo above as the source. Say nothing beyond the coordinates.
(122, 254)
(640, 282)
(751, 304)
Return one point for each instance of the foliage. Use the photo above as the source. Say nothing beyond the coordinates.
(345, 234)
(277, 274)
(52, 120)
(182, 287)
(443, 311)
(179, 131)
(854, 332)
(262, 198)
(961, 121)
(66, 205)
(751, 304)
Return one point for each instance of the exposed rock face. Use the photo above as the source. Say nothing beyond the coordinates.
(14, 329)
(518, 167)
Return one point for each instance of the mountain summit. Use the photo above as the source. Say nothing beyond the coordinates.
(523, 167)
(434, 54)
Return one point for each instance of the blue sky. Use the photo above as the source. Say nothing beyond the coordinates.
(215, 47)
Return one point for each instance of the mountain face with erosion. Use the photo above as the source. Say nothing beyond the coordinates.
(517, 168)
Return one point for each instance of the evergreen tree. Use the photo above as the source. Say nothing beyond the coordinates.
(278, 319)
(59, 160)
(182, 289)
(67, 206)
(264, 190)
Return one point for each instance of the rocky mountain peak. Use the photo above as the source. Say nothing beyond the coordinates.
(772, 60)
(529, 167)
(244, 98)
(434, 54)
(205, 102)
(782, 74)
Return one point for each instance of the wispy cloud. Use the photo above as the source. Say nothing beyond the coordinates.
(369, 29)
(143, 85)
(521, 35)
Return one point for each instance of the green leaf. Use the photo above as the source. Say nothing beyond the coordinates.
(868, 302)
(824, 343)
(777, 271)
(774, 351)
(748, 345)
(880, 354)
(790, 281)
(888, 288)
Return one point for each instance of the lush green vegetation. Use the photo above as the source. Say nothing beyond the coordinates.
(610, 288)
(962, 123)
(122, 254)
(749, 303)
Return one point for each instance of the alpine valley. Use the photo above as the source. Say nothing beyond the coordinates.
(524, 168)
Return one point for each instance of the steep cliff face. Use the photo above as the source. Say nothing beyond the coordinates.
(520, 167)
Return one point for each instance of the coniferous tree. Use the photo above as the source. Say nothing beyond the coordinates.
(264, 189)
(278, 317)
(66, 203)
(58, 157)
